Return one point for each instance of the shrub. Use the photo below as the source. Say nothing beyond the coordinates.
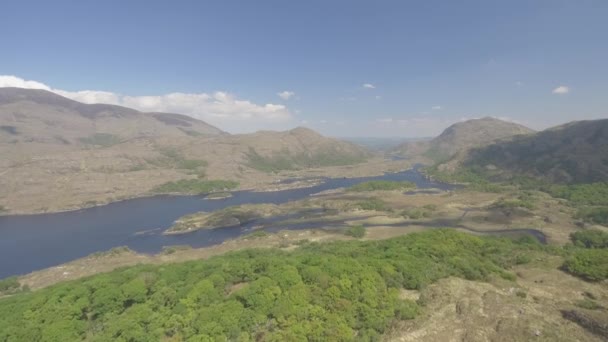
(591, 238)
(372, 204)
(415, 214)
(594, 215)
(9, 284)
(589, 264)
(357, 231)
(513, 204)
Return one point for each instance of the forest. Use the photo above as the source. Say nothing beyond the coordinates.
(338, 291)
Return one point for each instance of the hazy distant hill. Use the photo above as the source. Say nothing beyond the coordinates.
(382, 143)
(461, 137)
(295, 149)
(39, 116)
(576, 152)
(58, 153)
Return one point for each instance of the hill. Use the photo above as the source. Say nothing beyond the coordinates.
(461, 137)
(299, 148)
(576, 152)
(61, 154)
(40, 116)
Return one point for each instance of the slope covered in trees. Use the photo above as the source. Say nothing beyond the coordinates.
(338, 291)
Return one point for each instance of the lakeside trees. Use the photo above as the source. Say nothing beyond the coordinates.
(340, 291)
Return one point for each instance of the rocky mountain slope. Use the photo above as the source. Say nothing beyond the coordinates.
(461, 137)
(60, 154)
(576, 152)
(39, 116)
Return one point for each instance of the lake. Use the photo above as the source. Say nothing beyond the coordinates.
(33, 242)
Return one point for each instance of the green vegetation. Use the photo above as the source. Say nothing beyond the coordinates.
(430, 207)
(588, 258)
(340, 291)
(437, 155)
(2, 209)
(357, 231)
(285, 160)
(473, 180)
(195, 186)
(112, 252)
(167, 250)
(597, 215)
(418, 213)
(372, 204)
(508, 204)
(173, 158)
(10, 286)
(382, 185)
(589, 264)
(415, 213)
(581, 194)
(590, 238)
(589, 304)
(227, 217)
(101, 140)
(256, 235)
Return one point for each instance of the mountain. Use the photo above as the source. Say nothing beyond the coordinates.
(62, 154)
(297, 149)
(40, 116)
(461, 137)
(576, 152)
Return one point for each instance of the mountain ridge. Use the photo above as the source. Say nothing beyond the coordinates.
(575, 152)
(461, 137)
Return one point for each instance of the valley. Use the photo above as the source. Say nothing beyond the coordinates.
(304, 171)
(118, 200)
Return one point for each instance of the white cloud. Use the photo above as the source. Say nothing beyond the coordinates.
(378, 97)
(369, 86)
(436, 108)
(286, 95)
(13, 81)
(561, 90)
(219, 108)
(519, 83)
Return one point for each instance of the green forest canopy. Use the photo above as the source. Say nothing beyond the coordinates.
(338, 291)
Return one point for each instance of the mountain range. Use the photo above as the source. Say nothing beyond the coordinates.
(59, 153)
(576, 152)
(461, 137)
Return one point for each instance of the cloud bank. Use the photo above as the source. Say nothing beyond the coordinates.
(218, 108)
(369, 86)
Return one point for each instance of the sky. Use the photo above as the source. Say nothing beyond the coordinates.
(344, 68)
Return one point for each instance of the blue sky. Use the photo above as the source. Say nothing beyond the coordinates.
(427, 63)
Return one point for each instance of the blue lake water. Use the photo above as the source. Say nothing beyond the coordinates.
(33, 242)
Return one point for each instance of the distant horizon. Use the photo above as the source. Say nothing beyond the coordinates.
(351, 68)
(82, 96)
